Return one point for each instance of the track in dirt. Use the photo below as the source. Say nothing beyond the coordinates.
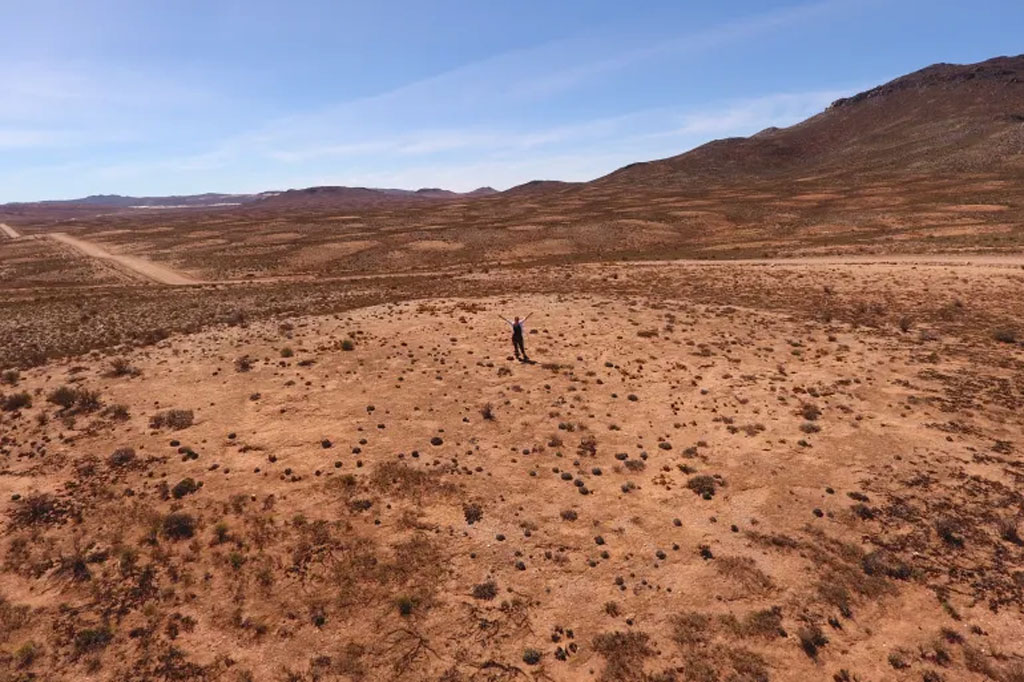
(9, 231)
(149, 270)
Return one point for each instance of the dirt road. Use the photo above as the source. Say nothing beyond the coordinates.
(9, 231)
(160, 274)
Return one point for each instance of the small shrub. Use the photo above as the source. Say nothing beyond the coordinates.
(473, 512)
(810, 427)
(569, 515)
(221, 533)
(905, 324)
(1008, 530)
(811, 639)
(690, 629)
(63, 397)
(117, 411)
(348, 344)
(531, 657)
(243, 364)
(882, 562)
(121, 457)
(898, 659)
(949, 530)
(287, 352)
(236, 560)
(487, 412)
(10, 377)
(37, 509)
(810, 411)
(16, 401)
(405, 605)
(26, 654)
(76, 399)
(184, 487)
(485, 591)
(92, 639)
(179, 526)
(702, 485)
(765, 623)
(624, 653)
(587, 446)
(172, 419)
(1005, 335)
(120, 367)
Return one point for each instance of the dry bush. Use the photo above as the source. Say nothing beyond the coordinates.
(116, 411)
(624, 654)
(184, 487)
(1009, 530)
(1005, 335)
(401, 479)
(172, 419)
(744, 571)
(703, 485)
(89, 640)
(948, 529)
(485, 591)
(15, 401)
(691, 629)
(37, 509)
(810, 411)
(764, 623)
(473, 512)
(75, 399)
(882, 562)
(811, 639)
(121, 367)
(122, 457)
(178, 526)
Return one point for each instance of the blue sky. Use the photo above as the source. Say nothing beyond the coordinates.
(152, 97)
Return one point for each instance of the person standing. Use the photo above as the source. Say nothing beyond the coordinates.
(517, 337)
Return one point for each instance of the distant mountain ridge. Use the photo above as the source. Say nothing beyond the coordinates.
(352, 196)
(945, 118)
(942, 119)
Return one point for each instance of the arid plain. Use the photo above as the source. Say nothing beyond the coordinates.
(771, 429)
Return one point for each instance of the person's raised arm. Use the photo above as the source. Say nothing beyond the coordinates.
(527, 317)
(506, 321)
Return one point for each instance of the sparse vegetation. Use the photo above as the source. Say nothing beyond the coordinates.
(703, 485)
(122, 457)
(485, 591)
(75, 399)
(171, 419)
(121, 367)
(179, 526)
(15, 401)
(1005, 335)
